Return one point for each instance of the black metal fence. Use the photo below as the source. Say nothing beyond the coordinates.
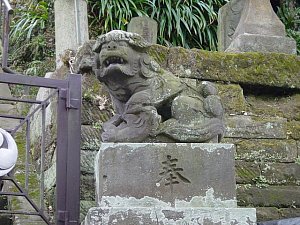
(68, 97)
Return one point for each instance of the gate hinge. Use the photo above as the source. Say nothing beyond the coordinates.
(71, 103)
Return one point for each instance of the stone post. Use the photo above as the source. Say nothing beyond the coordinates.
(71, 25)
(144, 26)
(228, 20)
(259, 29)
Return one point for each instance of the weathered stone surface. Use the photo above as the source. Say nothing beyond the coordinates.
(232, 98)
(84, 208)
(87, 161)
(272, 196)
(265, 150)
(7, 109)
(140, 175)
(150, 101)
(277, 70)
(228, 19)
(8, 124)
(290, 221)
(84, 58)
(246, 172)
(272, 69)
(281, 173)
(87, 187)
(168, 216)
(144, 26)
(255, 127)
(289, 212)
(90, 138)
(267, 173)
(50, 177)
(267, 213)
(276, 105)
(71, 25)
(260, 30)
(160, 54)
(4, 90)
(262, 43)
(294, 129)
(92, 115)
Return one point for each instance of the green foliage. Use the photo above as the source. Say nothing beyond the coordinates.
(31, 36)
(107, 15)
(32, 19)
(187, 23)
(291, 19)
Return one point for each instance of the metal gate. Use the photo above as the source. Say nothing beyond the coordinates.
(68, 95)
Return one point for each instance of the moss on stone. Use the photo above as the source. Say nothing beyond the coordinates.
(267, 69)
(159, 54)
(232, 98)
(293, 129)
(281, 106)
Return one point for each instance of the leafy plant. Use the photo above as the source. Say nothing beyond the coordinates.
(32, 30)
(187, 23)
(291, 19)
(31, 20)
(107, 15)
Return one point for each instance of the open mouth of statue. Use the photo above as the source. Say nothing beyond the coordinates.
(114, 60)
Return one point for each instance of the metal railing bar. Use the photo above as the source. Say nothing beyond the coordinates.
(36, 208)
(46, 101)
(7, 11)
(12, 117)
(12, 194)
(6, 178)
(21, 100)
(27, 154)
(32, 81)
(42, 158)
(19, 212)
(8, 7)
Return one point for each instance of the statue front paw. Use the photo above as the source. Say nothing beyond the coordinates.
(109, 136)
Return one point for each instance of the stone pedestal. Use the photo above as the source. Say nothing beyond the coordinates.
(166, 184)
(259, 29)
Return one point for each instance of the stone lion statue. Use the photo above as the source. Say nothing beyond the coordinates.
(152, 104)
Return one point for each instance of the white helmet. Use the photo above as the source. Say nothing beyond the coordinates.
(8, 152)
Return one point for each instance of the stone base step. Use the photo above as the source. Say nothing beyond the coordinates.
(170, 216)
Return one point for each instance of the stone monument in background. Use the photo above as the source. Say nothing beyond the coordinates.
(252, 26)
(186, 182)
(144, 26)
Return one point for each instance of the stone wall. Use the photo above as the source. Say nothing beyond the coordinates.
(261, 96)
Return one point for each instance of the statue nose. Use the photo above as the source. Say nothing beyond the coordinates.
(112, 45)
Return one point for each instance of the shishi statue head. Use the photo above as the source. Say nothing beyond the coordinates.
(121, 61)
